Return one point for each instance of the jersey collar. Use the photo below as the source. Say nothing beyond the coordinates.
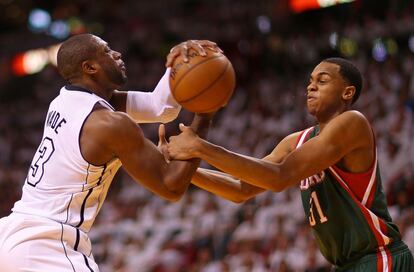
(70, 87)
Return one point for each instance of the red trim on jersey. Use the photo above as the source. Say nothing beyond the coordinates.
(384, 260)
(370, 217)
(379, 262)
(363, 185)
(358, 183)
(383, 226)
(380, 266)
(300, 136)
(389, 258)
(298, 139)
(371, 195)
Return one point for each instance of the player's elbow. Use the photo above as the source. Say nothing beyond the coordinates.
(285, 177)
(241, 198)
(172, 196)
(169, 114)
(174, 193)
(277, 188)
(237, 200)
(247, 192)
(281, 183)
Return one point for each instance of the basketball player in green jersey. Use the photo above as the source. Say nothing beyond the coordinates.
(333, 163)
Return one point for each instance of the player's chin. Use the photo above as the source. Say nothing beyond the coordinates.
(311, 110)
(123, 75)
(122, 80)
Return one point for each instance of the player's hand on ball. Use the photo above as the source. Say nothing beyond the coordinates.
(182, 146)
(184, 49)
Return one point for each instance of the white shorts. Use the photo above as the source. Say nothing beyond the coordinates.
(37, 244)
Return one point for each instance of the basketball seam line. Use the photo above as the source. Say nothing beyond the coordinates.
(206, 88)
(221, 102)
(189, 70)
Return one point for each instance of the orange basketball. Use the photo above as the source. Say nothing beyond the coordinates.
(203, 84)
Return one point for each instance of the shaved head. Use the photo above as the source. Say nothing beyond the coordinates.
(73, 52)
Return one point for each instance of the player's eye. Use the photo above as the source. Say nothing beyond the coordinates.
(323, 80)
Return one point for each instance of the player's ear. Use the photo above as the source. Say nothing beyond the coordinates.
(89, 67)
(349, 93)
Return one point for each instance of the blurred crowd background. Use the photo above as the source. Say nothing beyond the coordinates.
(273, 50)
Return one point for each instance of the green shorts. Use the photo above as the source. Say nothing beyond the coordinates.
(394, 258)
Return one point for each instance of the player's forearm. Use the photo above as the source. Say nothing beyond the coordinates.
(254, 171)
(180, 172)
(224, 185)
(152, 107)
(148, 107)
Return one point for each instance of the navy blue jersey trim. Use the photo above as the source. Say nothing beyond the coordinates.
(107, 104)
(102, 174)
(82, 211)
(87, 176)
(64, 248)
(87, 263)
(67, 209)
(70, 87)
(80, 133)
(77, 240)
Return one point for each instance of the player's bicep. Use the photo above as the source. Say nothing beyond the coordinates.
(337, 139)
(139, 156)
(341, 136)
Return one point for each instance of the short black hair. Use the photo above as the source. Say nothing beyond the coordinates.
(350, 74)
(73, 52)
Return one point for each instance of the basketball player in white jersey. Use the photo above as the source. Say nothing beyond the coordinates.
(85, 142)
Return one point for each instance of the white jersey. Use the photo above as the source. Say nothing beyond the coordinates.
(63, 193)
(61, 185)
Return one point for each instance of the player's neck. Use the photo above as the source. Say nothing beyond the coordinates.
(324, 120)
(104, 93)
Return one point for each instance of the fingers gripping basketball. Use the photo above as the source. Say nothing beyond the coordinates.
(203, 84)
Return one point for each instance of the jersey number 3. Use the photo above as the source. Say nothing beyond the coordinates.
(42, 156)
(314, 202)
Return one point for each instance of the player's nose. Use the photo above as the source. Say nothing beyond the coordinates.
(311, 87)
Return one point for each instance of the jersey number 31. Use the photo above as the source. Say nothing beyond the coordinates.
(314, 202)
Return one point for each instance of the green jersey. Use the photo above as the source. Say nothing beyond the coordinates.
(348, 212)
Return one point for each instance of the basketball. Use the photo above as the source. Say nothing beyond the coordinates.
(203, 84)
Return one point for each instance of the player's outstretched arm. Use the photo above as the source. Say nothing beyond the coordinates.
(234, 189)
(115, 134)
(149, 107)
(225, 185)
(349, 132)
